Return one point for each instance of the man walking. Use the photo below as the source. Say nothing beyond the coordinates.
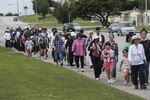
(146, 44)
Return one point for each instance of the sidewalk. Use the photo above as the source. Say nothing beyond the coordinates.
(119, 84)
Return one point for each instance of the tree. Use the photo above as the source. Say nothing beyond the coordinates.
(100, 9)
(62, 12)
(25, 9)
(9, 14)
(1, 14)
(42, 7)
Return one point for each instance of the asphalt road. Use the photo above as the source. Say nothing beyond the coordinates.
(8, 22)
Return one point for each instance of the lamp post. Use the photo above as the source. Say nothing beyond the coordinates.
(17, 8)
(36, 10)
(146, 13)
(17, 4)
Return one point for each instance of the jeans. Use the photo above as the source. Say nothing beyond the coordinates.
(96, 61)
(81, 60)
(58, 56)
(146, 71)
(138, 73)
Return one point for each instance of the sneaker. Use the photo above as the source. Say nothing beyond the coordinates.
(125, 82)
(136, 87)
(82, 70)
(78, 70)
(97, 79)
(91, 66)
(109, 82)
(143, 87)
(128, 84)
(61, 64)
(112, 81)
(146, 84)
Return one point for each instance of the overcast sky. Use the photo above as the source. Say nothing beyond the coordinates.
(11, 6)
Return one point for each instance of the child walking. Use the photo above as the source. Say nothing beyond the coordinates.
(125, 64)
(29, 46)
(108, 57)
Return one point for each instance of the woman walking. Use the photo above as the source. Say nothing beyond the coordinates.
(95, 49)
(79, 50)
(137, 58)
(128, 41)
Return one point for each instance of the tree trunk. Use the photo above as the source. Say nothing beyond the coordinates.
(104, 20)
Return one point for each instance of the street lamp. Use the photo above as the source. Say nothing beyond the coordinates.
(146, 13)
(36, 10)
(17, 7)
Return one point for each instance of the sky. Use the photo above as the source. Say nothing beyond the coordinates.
(7, 6)
(11, 6)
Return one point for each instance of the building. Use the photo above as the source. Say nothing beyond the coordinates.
(136, 16)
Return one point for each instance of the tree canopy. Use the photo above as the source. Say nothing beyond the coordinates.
(42, 7)
(101, 9)
(62, 12)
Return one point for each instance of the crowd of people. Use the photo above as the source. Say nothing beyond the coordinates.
(73, 47)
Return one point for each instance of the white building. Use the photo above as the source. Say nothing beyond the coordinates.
(134, 15)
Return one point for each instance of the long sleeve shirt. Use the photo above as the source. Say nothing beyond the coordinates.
(7, 36)
(78, 47)
(146, 45)
(136, 54)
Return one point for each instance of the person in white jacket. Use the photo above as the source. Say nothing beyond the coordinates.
(7, 37)
(137, 59)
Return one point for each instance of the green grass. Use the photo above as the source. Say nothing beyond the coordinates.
(52, 21)
(22, 78)
(139, 28)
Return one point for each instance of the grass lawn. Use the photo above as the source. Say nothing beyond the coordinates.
(52, 21)
(22, 78)
(139, 28)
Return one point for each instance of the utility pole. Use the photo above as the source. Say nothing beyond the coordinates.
(17, 7)
(36, 10)
(146, 13)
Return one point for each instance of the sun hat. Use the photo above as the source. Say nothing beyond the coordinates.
(73, 34)
(94, 36)
(42, 34)
(136, 37)
(31, 37)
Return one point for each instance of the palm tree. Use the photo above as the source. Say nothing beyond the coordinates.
(25, 9)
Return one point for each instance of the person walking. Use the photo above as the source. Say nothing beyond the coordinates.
(43, 46)
(114, 47)
(88, 42)
(128, 41)
(108, 57)
(95, 49)
(79, 50)
(137, 58)
(125, 64)
(7, 37)
(146, 44)
(58, 44)
(101, 36)
(29, 47)
(68, 48)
